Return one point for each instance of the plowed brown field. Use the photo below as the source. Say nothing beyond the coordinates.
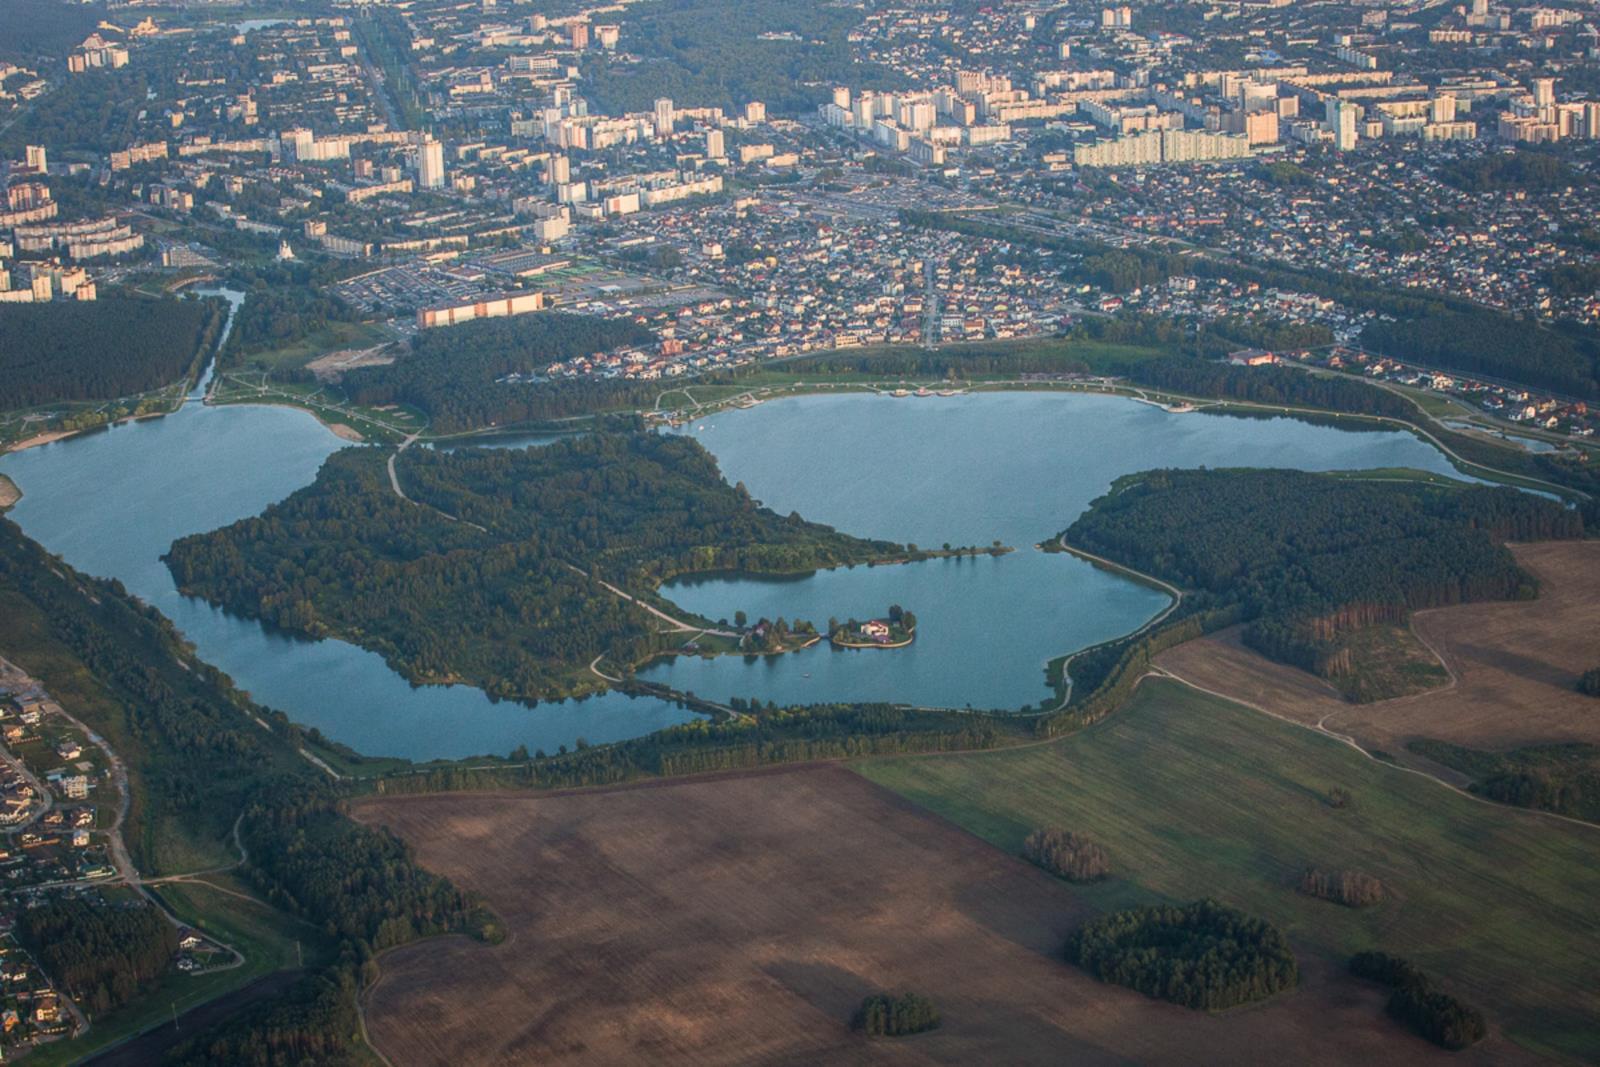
(740, 920)
(1514, 664)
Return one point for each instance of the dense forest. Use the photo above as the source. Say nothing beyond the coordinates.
(882, 1015)
(41, 29)
(103, 954)
(491, 574)
(454, 373)
(1565, 360)
(100, 349)
(1435, 1015)
(1202, 955)
(706, 53)
(1311, 558)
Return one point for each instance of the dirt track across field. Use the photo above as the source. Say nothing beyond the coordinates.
(742, 919)
(1515, 666)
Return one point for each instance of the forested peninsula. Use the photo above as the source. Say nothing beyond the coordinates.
(1311, 560)
(495, 571)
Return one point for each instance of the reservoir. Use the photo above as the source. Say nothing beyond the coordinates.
(967, 470)
(1013, 467)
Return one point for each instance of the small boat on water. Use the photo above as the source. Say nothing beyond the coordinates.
(1180, 409)
(901, 392)
(950, 392)
(924, 391)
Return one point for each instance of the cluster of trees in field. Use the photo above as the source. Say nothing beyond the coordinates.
(1561, 358)
(1313, 557)
(488, 573)
(885, 1015)
(1353, 889)
(103, 954)
(68, 350)
(1202, 955)
(1589, 682)
(1435, 1015)
(1066, 854)
(1284, 386)
(453, 373)
(1563, 777)
(706, 54)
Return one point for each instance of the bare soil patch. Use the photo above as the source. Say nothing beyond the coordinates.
(742, 920)
(331, 367)
(1515, 665)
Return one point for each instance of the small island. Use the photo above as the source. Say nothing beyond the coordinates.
(896, 630)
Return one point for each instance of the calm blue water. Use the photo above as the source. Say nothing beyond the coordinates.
(111, 503)
(1014, 467)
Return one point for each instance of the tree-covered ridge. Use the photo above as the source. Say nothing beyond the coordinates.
(1202, 955)
(1310, 557)
(488, 573)
(100, 349)
(455, 373)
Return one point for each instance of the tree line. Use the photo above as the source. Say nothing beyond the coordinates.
(67, 350)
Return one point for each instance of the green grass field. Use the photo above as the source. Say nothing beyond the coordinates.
(1194, 796)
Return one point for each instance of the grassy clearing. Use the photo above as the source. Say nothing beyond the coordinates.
(331, 338)
(1390, 662)
(1194, 796)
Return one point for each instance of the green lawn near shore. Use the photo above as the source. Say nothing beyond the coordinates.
(1194, 796)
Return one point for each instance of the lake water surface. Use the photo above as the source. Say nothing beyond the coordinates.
(1014, 467)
